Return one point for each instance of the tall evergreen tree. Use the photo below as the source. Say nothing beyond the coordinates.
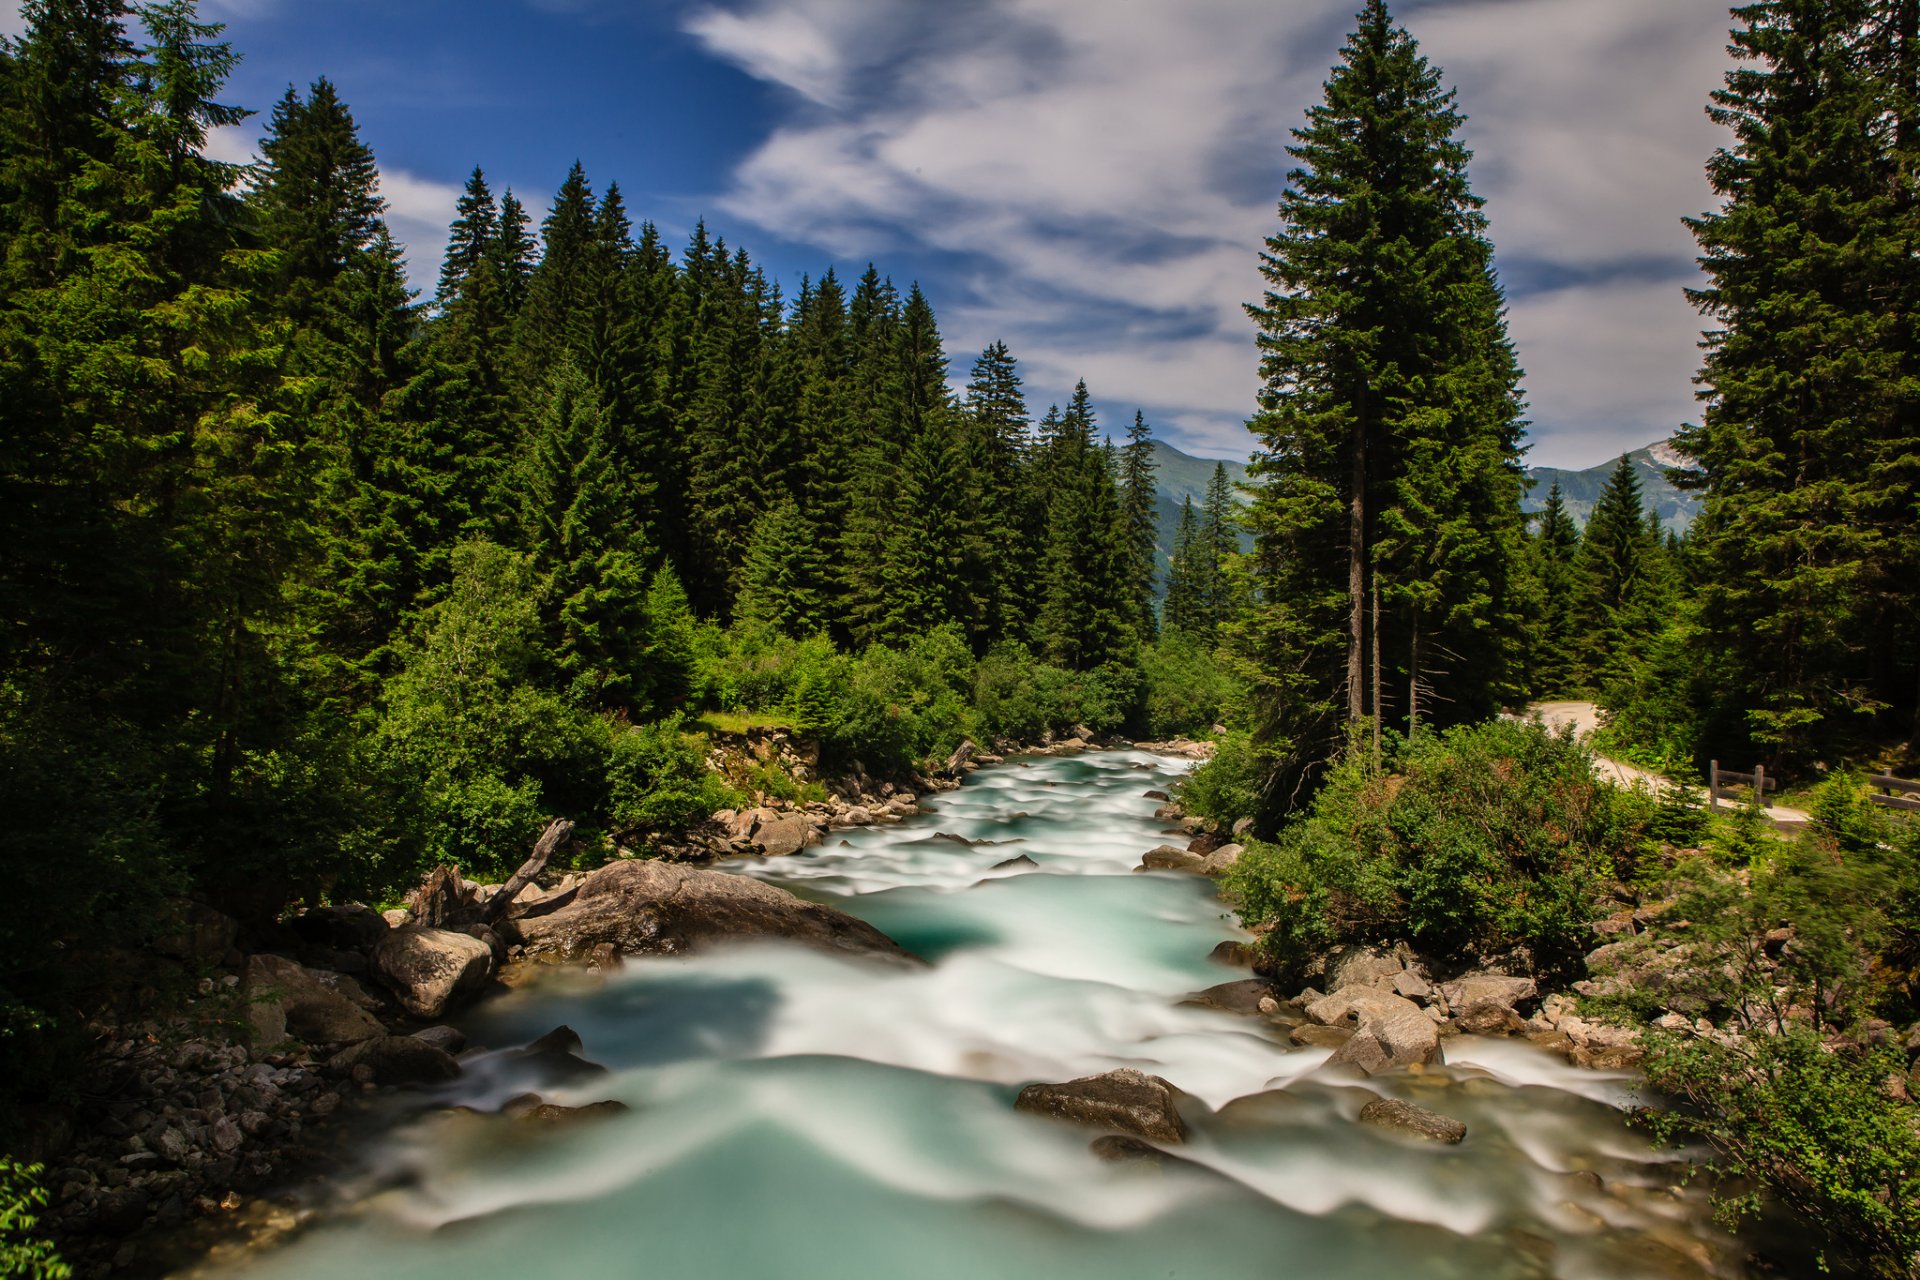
(784, 574)
(1808, 443)
(1556, 666)
(1619, 586)
(1387, 516)
(1185, 610)
(1139, 524)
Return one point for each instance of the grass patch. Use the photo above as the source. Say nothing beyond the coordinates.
(740, 721)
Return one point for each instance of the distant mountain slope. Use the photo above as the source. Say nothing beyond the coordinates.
(1581, 489)
(1181, 475)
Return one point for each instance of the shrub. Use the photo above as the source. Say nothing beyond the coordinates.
(1188, 689)
(23, 1253)
(1471, 843)
(1227, 787)
(658, 780)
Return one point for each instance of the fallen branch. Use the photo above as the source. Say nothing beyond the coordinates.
(552, 838)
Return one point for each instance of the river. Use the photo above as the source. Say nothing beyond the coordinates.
(796, 1115)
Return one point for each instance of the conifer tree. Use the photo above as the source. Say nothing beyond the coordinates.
(1386, 516)
(1139, 524)
(1086, 615)
(1619, 584)
(996, 416)
(783, 574)
(1213, 585)
(1805, 449)
(1557, 665)
(1185, 612)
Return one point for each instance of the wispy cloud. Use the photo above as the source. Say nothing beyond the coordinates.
(1105, 169)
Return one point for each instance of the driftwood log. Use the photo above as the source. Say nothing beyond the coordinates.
(552, 838)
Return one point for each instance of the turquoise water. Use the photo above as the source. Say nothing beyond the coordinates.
(800, 1115)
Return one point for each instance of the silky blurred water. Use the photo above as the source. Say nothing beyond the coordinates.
(800, 1115)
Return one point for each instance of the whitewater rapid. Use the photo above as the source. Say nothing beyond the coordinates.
(799, 1115)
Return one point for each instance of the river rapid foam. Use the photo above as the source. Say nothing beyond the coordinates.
(799, 1115)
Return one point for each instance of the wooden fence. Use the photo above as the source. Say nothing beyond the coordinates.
(1895, 793)
(1720, 780)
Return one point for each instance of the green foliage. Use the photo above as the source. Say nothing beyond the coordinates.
(1474, 841)
(658, 780)
(24, 1255)
(1190, 688)
(1227, 787)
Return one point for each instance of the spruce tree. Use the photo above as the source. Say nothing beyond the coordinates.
(1185, 611)
(783, 575)
(1557, 663)
(1139, 524)
(1219, 539)
(1806, 446)
(1386, 513)
(1618, 588)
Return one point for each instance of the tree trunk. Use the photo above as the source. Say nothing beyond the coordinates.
(1357, 574)
(1413, 681)
(1379, 712)
(552, 838)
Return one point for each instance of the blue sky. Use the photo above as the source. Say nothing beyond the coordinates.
(1087, 179)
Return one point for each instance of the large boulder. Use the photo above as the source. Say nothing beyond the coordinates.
(1247, 996)
(1488, 988)
(286, 999)
(1361, 967)
(397, 1060)
(783, 833)
(1416, 1122)
(1126, 1100)
(1388, 1030)
(647, 907)
(1169, 858)
(431, 970)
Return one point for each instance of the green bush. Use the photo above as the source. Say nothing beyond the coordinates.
(1470, 843)
(1189, 689)
(24, 1255)
(1817, 1127)
(1227, 787)
(658, 780)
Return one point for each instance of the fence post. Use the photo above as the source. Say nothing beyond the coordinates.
(1760, 785)
(1713, 786)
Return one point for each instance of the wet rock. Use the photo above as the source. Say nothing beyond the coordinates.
(431, 970)
(1244, 997)
(1236, 954)
(554, 1113)
(650, 907)
(557, 1058)
(1414, 1121)
(1489, 1019)
(1128, 1100)
(445, 1039)
(1312, 1035)
(1221, 860)
(284, 998)
(1154, 795)
(1169, 858)
(395, 1060)
(1119, 1148)
(1389, 1031)
(1205, 843)
(1021, 861)
(778, 834)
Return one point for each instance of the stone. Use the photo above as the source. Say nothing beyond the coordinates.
(226, 1135)
(1397, 1116)
(1361, 967)
(1154, 795)
(1389, 1031)
(1242, 826)
(1221, 860)
(1237, 955)
(1311, 1035)
(1411, 985)
(444, 1038)
(396, 916)
(1488, 988)
(1244, 996)
(1169, 858)
(395, 1060)
(431, 971)
(647, 907)
(1119, 1148)
(961, 755)
(1489, 1019)
(781, 834)
(1020, 861)
(1127, 1100)
(284, 998)
(553, 1113)
(860, 816)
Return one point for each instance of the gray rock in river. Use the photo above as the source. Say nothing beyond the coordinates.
(1128, 1100)
(397, 1060)
(431, 971)
(1244, 996)
(1389, 1031)
(659, 908)
(1017, 861)
(1414, 1121)
(285, 998)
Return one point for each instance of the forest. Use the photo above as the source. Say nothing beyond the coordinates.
(310, 583)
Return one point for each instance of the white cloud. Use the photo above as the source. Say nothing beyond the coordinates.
(12, 21)
(419, 210)
(1110, 166)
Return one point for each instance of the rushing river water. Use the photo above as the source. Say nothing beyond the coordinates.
(796, 1115)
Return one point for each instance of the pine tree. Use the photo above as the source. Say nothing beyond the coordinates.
(476, 224)
(1619, 584)
(1386, 516)
(1185, 612)
(996, 417)
(1807, 446)
(1086, 615)
(783, 574)
(1139, 524)
(1219, 540)
(1557, 667)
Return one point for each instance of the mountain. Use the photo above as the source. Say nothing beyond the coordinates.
(1581, 489)
(1181, 475)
